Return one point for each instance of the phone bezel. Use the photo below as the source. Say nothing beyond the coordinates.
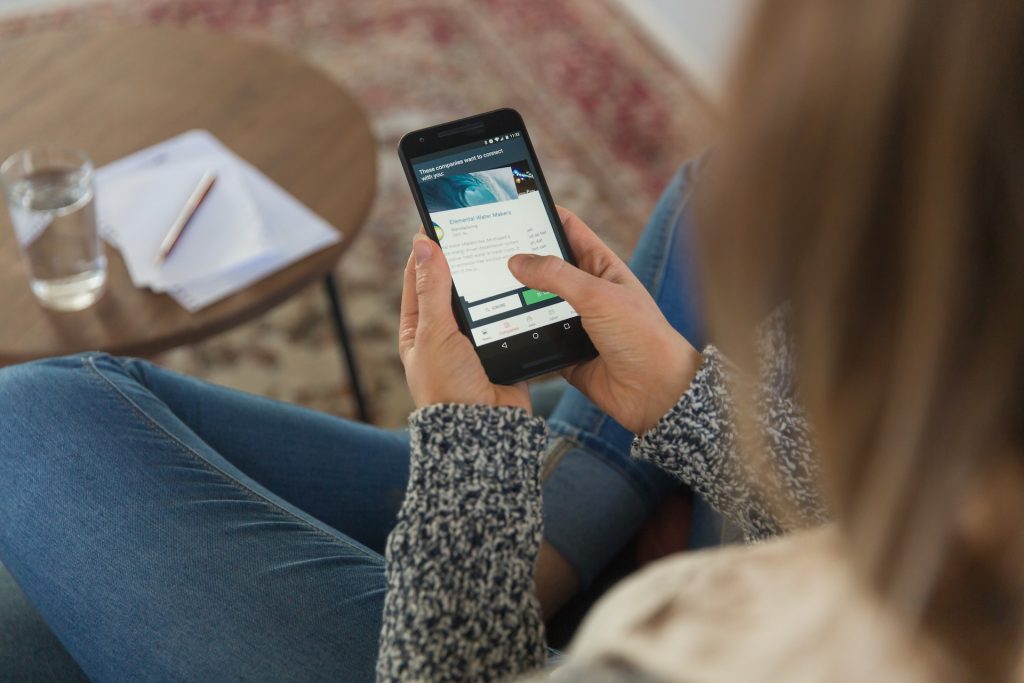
(523, 356)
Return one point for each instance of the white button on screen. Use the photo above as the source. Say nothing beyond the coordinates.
(481, 311)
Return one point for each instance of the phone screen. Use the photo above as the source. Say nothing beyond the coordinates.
(485, 205)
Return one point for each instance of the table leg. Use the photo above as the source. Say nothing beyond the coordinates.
(346, 345)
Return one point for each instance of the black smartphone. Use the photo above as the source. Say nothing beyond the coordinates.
(482, 197)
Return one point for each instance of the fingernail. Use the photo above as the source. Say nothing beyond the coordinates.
(421, 248)
(522, 257)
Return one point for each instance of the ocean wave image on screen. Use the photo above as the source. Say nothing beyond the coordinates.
(469, 189)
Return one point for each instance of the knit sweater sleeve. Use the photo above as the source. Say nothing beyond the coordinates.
(460, 604)
(698, 442)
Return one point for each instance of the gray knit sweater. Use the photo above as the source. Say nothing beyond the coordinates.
(460, 603)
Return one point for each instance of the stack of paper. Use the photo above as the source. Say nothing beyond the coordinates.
(245, 229)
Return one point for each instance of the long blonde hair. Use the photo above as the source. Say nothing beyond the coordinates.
(872, 175)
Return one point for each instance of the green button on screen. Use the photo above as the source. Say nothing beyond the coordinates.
(532, 296)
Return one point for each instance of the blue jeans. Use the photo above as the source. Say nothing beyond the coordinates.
(168, 529)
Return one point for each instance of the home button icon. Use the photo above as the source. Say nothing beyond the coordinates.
(536, 335)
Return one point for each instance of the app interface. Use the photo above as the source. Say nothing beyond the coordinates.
(485, 206)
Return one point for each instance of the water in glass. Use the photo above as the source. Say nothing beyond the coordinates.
(53, 213)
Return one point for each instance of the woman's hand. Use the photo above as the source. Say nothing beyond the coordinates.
(645, 365)
(441, 365)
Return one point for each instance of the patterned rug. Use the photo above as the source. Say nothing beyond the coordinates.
(610, 117)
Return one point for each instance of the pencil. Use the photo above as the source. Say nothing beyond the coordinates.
(185, 217)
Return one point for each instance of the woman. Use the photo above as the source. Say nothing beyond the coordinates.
(870, 179)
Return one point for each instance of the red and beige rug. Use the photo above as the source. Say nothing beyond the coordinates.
(610, 117)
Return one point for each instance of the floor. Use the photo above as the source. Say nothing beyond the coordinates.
(12, 7)
(697, 34)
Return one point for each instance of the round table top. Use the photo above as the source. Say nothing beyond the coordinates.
(112, 92)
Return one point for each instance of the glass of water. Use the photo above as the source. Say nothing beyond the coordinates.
(50, 195)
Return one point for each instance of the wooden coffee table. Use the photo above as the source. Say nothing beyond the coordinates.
(112, 92)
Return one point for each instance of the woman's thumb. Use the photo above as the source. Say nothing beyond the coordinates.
(553, 274)
(433, 282)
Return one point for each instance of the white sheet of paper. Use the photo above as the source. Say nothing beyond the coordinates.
(225, 232)
(289, 229)
(293, 229)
